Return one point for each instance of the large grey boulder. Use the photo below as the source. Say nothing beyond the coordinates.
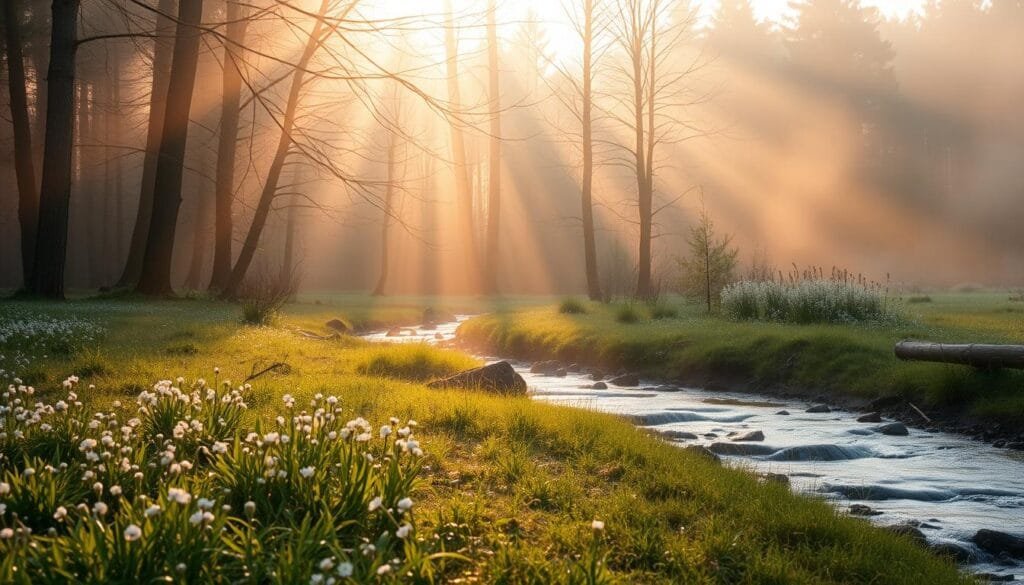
(998, 543)
(499, 378)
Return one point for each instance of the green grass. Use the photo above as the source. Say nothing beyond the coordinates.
(843, 360)
(509, 484)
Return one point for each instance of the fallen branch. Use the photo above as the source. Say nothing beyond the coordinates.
(923, 415)
(282, 367)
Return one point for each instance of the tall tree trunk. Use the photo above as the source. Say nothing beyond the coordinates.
(288, 257)
(155, 278)
(494, 157)
(200, 234)
(226, 147)
(644, 196)
(55, 193)
(28, 202)
(115, 253)
(389, 193)
(587, 199)
(463, 192)
(259, 218)
(163, 46)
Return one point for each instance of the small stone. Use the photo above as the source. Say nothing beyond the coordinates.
(872, 417)
(1016, 445)
(907, 529)
(749, 436)
(599, 386)
(948, 549)
(779, 478)
(596, 375)
(893, 429)
(703, 452)
(626, 380)
(862, 510)
(560, 373)
(996, 577)
(394, 332)
(337, 325)
(783, 413)
(678, 435)
(546, 367)
(574, 368)
(819, 408)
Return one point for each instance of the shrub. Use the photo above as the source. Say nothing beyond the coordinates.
(263, 296)
(711, 263)
(572, 306)
(627, 314)
(919, 299)
(182, 488)
(806, 301)
(663, 312)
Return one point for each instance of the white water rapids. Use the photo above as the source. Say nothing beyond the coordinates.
(949, 485)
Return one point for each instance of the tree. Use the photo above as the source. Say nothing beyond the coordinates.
(55, 192)
(494, 156)
(163, 47)
(28, 201)
(463, 192)
(586, 121)
(284, 142)
(155, 278)
(649, 32)
(389, 194)
(711, 263)
(836, 49)
(227, 147)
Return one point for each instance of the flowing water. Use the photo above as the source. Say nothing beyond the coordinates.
(946, 484)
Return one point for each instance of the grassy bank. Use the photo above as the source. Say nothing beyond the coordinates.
(506, 492)
(842, 362)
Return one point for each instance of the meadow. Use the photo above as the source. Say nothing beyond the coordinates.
(274, 457)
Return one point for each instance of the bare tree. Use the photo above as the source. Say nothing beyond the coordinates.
(155, 278)
(55, 192)
(463, 192)
(494, 155)
(28, 202)
(650, 32)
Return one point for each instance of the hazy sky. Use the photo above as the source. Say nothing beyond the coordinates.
(775, 9)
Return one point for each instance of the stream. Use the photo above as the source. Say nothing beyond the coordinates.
(946, 485)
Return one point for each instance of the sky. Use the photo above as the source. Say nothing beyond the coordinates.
(777, 9)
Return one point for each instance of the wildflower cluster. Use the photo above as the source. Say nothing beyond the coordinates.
(174, 489)
(25, 337)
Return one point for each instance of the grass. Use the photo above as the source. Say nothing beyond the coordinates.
(845, 361)
(572, 306)
(509, 485)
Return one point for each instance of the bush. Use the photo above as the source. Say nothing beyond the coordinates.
(572, 306)
(663, 312)
(627, 314)
(179, 487)
(263, 296)
(805, 301)
(919, 299)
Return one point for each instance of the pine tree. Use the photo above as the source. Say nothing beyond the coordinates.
(711, 263)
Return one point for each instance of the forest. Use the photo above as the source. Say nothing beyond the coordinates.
(827, 134)
(572, 292)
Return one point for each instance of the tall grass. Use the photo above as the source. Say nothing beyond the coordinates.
(572, 306)
(805, 301)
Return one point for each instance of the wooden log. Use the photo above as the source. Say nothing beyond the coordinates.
(979, 355)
